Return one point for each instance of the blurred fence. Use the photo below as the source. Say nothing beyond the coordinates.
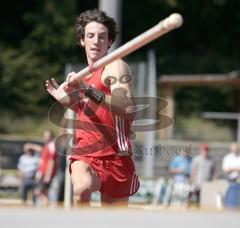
(163, 152)
(151, 190)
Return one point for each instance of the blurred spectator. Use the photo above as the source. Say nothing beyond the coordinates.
(231, 166)
(202, 169)
(27, 166)
(180, 168)
(47, 170)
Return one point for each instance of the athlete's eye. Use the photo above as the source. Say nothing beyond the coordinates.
(90, 35)
(102, 38)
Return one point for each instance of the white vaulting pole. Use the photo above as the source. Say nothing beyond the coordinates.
(172, 22)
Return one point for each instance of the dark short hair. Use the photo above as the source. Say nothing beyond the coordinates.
(98, 16)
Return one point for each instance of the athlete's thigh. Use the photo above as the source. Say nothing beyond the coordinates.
(83, 174)
(110, 201)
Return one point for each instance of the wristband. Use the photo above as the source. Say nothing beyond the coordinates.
(95, 95)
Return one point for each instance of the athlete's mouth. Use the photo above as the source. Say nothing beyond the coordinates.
(95, 49)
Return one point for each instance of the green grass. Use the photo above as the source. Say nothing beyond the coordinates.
(196, 128)
(25, 127)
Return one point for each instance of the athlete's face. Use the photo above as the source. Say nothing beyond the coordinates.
(95, 42)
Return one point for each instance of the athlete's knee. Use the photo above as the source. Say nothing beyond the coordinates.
(82, 194)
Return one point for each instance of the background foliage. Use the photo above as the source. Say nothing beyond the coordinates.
(37, 40)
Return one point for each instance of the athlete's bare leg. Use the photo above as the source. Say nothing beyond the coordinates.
(85, 181)
(113, 202)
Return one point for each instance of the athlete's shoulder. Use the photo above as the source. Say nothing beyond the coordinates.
(118, 62)
(117, 67)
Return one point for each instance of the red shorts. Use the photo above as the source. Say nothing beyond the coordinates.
(117, 174)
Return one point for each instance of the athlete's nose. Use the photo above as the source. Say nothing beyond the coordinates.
(96, 39)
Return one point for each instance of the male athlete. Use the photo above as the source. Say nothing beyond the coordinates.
(101, 160)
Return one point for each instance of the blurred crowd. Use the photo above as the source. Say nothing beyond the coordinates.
(190, 173)
(42, 172)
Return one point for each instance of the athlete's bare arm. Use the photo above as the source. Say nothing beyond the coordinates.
(119, 76)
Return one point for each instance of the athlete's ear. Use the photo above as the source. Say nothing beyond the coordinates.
(82, 42)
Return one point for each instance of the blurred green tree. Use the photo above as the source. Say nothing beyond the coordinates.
(37, 39)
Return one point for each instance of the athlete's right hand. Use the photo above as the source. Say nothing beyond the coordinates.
(69, 79)
(58, 92)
